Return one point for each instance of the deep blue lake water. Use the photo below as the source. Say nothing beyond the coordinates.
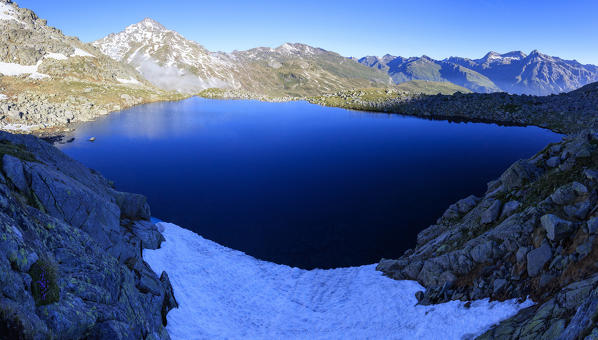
(296, 183)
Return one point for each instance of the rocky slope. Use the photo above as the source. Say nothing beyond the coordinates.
(533, 233)
(70, 251)
(48, 79)
(172, 62)
(566, 112)
(513, 72)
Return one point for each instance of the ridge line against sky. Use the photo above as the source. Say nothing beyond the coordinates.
(434, 28)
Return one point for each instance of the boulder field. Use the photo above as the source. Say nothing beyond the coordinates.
(534, 234)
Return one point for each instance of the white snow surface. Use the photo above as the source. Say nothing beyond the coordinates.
(57, 56)
(7, 12)
(3, 96)
(12, 69)
(129, 81)
(81, 53)
(18, 127)
(226, 294)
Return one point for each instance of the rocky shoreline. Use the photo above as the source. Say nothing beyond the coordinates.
(43, 116)
(565, 113)
(71, 261)
(534, 233)
(230, 94)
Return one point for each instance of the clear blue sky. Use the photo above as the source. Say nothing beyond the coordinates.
(439, 29)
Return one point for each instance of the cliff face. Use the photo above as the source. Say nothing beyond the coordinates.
(534, 233)
(70, 251)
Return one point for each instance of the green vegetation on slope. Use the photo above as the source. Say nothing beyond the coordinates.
(377, 99)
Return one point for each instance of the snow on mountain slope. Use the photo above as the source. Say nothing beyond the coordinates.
(167, 59)
(225, 294)
(536, 73)
(29, 45)
(54, 80)
(513, 72)
(172, 62)
(7, 12)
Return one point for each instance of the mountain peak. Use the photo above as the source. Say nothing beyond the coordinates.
(535, 53)
(297, 48)
(505, 58)
(148, 24)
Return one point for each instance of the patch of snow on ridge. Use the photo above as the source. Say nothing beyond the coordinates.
(11, 69)
(7, 12)
(81, 53)
(18, 127)
(3, 96)
(129, 81)
(57, 56)
(224, 293)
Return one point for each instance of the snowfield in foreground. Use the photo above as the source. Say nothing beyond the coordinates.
(224, 293)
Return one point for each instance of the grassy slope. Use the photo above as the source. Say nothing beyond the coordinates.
(370, 99)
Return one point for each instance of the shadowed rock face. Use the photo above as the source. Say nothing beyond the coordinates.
(532, 234)
(568, 112)
(56, 212)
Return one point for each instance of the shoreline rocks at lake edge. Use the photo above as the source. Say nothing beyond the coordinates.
(566, 113)
(534, 233)
(66, 229)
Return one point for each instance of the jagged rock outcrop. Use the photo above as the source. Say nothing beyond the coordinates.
(70, 251)
(532, 234)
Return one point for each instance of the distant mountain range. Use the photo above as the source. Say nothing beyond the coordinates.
(147, 58)
(172, 62)
(513, 72)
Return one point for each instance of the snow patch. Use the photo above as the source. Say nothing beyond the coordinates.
(57, 56)
(11, 69)
(81, 53)
(224, 293)
(129, 81)
(7, 12)
(3, 96)
(18, 127)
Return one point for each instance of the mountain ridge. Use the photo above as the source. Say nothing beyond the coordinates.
(172, 62)
(514, 72)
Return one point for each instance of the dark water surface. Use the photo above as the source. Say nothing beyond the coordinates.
(296, 183)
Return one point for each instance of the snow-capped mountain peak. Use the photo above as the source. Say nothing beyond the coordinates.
(172, 62)
(497, 58)
(150, 24)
